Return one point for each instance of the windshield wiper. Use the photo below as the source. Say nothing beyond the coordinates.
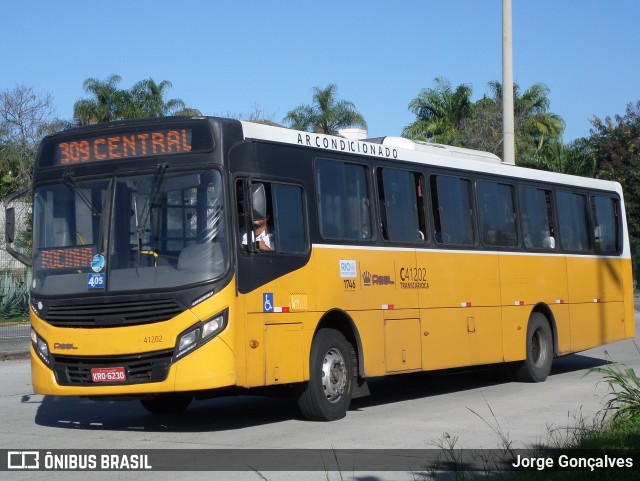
(152, 200)
(68, 179)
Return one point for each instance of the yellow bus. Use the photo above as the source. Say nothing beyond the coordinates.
(182, 258)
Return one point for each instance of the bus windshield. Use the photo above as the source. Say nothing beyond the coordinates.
(161, 230)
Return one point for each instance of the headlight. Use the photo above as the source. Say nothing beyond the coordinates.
(199, 334)
(213, 327)
(188, 341)
(41, 347)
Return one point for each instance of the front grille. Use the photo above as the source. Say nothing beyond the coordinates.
(140, 368)
(112, 314)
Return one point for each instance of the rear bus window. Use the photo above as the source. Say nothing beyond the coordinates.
(606, 230)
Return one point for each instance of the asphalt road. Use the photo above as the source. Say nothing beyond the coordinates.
(471, 409)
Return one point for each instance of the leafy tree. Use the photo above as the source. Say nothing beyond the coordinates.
(616, 144)
(25, 117)
(326, 115)
(576, 158)
(483, 129)
(439, 112)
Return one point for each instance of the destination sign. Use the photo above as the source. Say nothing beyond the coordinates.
(66, 258)
(123, 146)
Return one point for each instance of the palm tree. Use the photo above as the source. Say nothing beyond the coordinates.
(105, 106)
(145, 99)
(148, 100)
(534, 124)
(538, 132)
(326, 115)
(439, 111)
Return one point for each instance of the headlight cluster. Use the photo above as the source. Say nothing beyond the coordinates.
(199, 334)
(41, 347)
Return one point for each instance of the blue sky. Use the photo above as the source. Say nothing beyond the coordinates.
(227, 57)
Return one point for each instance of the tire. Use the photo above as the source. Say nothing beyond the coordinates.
(332, 374)
(167, 403)
(537, 364)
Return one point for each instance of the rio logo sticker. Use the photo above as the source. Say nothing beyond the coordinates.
(348, 273)
(348, 269)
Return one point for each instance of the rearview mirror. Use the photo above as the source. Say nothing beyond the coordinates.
(258, 201)
(10, 224)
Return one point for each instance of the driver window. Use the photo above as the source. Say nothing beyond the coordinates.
(270, 217)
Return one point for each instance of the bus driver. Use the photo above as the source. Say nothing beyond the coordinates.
(260, 234)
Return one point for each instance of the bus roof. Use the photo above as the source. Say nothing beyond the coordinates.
(399, 148)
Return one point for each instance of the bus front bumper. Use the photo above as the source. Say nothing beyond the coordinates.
(211, 366)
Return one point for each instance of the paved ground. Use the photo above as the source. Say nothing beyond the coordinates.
(403, 412)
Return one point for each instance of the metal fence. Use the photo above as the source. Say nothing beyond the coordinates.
(15, 330)
(15, 279)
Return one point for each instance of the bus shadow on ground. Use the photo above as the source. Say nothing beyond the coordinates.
(237, 412)
(391, 389)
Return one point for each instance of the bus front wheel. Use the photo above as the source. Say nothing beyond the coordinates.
(537, 364)
(332, 373)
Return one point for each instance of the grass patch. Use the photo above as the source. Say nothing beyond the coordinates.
(614, 432)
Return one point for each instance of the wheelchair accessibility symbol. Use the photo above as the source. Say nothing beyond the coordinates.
(267, 302)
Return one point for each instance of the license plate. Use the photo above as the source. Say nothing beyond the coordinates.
(108, 374)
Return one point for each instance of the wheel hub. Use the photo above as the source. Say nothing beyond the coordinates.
(539, 348)
(334, 376)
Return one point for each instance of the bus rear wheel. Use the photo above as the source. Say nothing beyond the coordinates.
(167, 403)
(332, 373)
(537, 364)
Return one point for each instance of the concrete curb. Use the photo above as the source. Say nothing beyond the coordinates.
(14, 356)
(14, 349)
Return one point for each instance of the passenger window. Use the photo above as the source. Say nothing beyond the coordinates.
(536, 214)
(401, 205)
(497, 214)
(573, 218)
(343, 200)
(288, 214)
(452, 210)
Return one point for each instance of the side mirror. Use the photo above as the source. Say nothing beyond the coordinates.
(10, 224)
(258, 201)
